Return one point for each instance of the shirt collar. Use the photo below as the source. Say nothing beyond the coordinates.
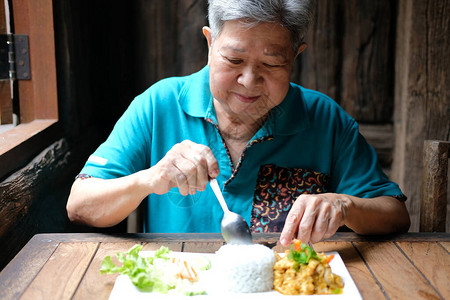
(289, 117)
(195, 97)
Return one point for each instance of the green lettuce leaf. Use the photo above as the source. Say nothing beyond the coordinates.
(142, 271)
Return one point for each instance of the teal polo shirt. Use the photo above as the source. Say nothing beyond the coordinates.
(308, 144)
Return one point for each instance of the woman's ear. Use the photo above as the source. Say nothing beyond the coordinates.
(207, 33)
(300, 49)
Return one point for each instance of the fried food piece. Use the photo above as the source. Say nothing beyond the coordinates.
(314, 277)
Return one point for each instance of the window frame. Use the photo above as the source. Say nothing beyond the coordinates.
(38, 99)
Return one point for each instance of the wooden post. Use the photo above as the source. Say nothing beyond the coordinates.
(6, 108)
(433, 209)
(38, 96)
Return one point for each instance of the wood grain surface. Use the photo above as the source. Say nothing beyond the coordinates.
(67, 266)
(59, 277)
(425, 257)
(100, 285)
(394, 272)
(38, 252)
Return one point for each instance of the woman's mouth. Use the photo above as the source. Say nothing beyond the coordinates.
(247, 99)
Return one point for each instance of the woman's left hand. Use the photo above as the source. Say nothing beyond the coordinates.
(314, 217)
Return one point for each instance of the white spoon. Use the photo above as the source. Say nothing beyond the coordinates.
(234, 228)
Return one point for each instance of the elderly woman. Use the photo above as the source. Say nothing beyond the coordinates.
(288, 159)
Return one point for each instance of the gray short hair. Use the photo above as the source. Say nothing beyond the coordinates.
(294, 15)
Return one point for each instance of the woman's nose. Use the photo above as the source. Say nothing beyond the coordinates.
(249, 77)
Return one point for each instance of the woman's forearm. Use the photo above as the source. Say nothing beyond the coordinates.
(103, 203)
(380, 215)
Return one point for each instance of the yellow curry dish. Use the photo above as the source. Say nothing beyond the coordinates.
(302, 271)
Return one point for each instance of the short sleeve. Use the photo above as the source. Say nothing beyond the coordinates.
(126, 149)
(355, 169)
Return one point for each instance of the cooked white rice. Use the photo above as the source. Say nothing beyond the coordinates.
(244, 268)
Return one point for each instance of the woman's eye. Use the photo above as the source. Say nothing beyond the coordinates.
(234, 61)
(272, 66)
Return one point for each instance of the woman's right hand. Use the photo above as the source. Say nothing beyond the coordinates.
(187, 166)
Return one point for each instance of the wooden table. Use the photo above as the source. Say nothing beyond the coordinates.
(66, 266)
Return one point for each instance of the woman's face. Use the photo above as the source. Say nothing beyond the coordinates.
(249, 69)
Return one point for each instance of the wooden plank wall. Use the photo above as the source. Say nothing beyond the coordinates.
(169, 39)
(422, 95)
(350, 57)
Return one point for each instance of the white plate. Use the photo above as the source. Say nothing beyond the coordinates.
(124, 289)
